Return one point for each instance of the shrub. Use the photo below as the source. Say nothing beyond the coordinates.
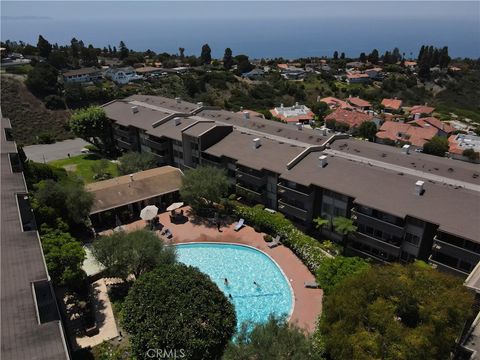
(267, 238)
(53, 102)
(46, 138)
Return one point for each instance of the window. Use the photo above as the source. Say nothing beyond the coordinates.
(327, 208)
(412, 239)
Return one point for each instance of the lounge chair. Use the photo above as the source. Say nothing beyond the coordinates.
(168, 234)
(239, 225)
(274, 243)
(311, 284)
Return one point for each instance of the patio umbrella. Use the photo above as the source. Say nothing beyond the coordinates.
(175, 206)
(149, 212)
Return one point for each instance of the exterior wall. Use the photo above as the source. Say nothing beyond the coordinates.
(158, 147)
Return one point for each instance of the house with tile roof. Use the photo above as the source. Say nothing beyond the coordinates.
(418, 111)
(397, 132)
(359, 104)
(443, 128)
(334, 103)
(392, 104)
(461, 142)
(352, 118)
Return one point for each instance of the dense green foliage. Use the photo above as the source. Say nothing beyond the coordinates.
(204, 186)
(333, 271)
(309, 250)
(274, 340)
(91, 124)
(395, 312)
(437, 146)
(178, 307)
(64, 257)
(344, 225)
(135, 253)
(133, 162)
(42, 80)
(367, 130)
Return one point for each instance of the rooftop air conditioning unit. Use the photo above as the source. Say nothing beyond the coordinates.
(322, 160)
(257, 142)
(419, 190)
(178, 121)
(134, 109)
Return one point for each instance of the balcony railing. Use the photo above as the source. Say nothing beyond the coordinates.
(250, 193)
(121, 132)
(251, 178)
(294, 193)
(447, 268)
(156, 145)
(124, 144)
(359, 213)
(392, 249)
(456, 251)
(292, 210)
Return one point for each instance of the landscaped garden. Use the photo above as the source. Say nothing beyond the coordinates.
(88, 167)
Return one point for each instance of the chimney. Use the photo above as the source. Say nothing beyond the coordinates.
(296, 104)
(200, 103)
(323, 160)
(177, 120)
(246, 115)
(131, 177)
(257, 142)
(281, 106)
(406, 149)
(134, 109)
(324, 131)
(178, 100)
(419, 190)
(299, 125)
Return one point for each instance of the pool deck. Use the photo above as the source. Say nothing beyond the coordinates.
(308, 302)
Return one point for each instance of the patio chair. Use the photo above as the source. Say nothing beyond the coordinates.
(311, 285)
(239, 225)
(168, 234)
(275, 242)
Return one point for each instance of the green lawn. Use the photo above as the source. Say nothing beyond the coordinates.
(81, 166)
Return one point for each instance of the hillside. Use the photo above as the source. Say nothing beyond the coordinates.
(31, 121)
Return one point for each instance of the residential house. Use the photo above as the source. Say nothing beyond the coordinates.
(418, 111)
(293, 73)
(123, 75)
(357, 78)
(412, 65)
(444, 129)
(397, 132)
(374, 73)
(334, 103)
(148, 71)
(82, 75)
(255, 74)
(352, 118)
(355, 64)
(392, 104)
(359, 104)
(293, 114)
(248, 113)
(461, 142)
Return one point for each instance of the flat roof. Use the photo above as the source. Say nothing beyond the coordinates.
(22, 263)
(121, 112)
(271, 155)
(454, 209)
(120, 191)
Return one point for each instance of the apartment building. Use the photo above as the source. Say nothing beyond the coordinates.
(31, 327)
(406, 205)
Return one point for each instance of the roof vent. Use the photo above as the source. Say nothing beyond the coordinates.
(281, 106)
(296, 105)
(299, 126)
(178, 100)
(257, 142)
(406, 149)
(246, 115)
(419, 190)
(134, 109)
(322, 160)
(177, 120)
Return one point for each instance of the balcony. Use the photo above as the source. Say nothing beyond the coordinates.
(391, 249)
(250, 194)
(297, 194)
(251, 178)
(292, 210)
(123, 144)
(161, 159)
(393, 229)
(448, 269)
(161, 146)
(121, 132)
(455, 251)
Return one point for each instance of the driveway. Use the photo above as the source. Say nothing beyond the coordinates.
(59, 150)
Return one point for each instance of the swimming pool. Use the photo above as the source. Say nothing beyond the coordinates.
(243, 266)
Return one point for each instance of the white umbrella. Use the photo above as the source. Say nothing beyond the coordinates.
(149, 212)
(175, 206)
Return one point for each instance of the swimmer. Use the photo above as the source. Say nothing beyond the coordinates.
(226, 281)
(255, 283)
(230, 296)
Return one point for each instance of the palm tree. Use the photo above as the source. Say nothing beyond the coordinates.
(345, 227)
(320, 223)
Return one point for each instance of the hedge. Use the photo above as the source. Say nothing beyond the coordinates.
(308, 249)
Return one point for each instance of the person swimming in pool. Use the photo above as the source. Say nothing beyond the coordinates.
(256, 284)
(226, 282)
(230, 296)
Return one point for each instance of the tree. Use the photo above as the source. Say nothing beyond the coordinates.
(243, 64)
(471, 154)
(275, 339)
(44, 47)
(373, 56)
(333, 271)
(368, 130)
(437, 146)
(335, 55)
(133, 162)
(181, 50)
(136, 253)
(395, 312)
(178, 307)
(64, 257)
(66, 200)
(123, 50)
(203, 187)
(74, 48)
(344, 226)
(91, 124)
(58, 59)
(363, 57)
(228, 59)
(89, 56)
(342, 56)
(320, 223)
(43, 80)
(206, 55)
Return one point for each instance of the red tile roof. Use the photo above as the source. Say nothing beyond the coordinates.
(356, 101)
(421, 109)
(431, 121)
(394, 104)
(335, 103)
(350, 117)
(410, 63)
(357, 76)
(396, 131)
(282, 66)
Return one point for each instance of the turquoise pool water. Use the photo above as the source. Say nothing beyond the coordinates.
(242, 266)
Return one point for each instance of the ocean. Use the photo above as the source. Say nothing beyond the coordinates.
(258, 29)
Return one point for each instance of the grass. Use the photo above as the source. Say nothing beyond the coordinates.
(81, 166)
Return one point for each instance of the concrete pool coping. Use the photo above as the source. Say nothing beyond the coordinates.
(287, 280)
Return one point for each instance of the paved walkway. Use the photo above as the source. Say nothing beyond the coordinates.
(59, 150)
(308, 302)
